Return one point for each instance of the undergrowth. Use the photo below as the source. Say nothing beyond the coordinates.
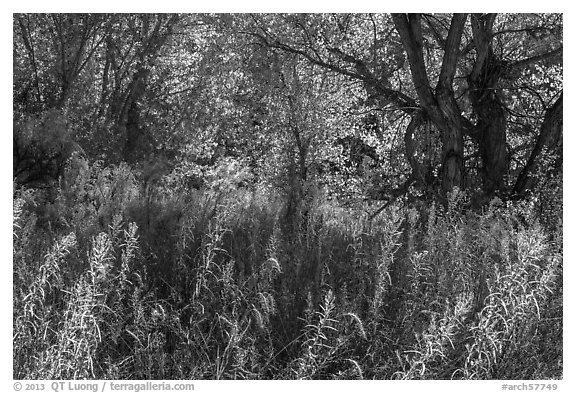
(122, 280)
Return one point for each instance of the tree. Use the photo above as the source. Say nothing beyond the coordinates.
(430, 102)
(132, 50)
(459, 74)
(97, 70)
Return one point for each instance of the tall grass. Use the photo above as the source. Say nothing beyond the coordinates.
(131, 281)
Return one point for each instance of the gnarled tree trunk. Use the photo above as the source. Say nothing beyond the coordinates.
(440, 106)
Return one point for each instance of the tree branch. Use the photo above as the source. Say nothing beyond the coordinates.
(408, 27)
(451, 52)
(394, 194)
(535, 59)
(550, 134)
(405, 103)
(482, 38)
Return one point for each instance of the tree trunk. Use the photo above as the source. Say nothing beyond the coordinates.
(135, 137)
(440, 106)
(451, 122)
(490, 130)
(452, 156)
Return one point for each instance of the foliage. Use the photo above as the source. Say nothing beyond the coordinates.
(272, 196)
(212, 287)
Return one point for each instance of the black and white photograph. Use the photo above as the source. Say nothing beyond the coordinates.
(287, 196)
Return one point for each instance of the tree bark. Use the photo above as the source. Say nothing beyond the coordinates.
(490, 130)
(440, 107)
(452, 136)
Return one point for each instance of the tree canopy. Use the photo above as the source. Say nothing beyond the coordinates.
(379, 105)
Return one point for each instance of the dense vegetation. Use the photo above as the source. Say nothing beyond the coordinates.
(322, 196)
